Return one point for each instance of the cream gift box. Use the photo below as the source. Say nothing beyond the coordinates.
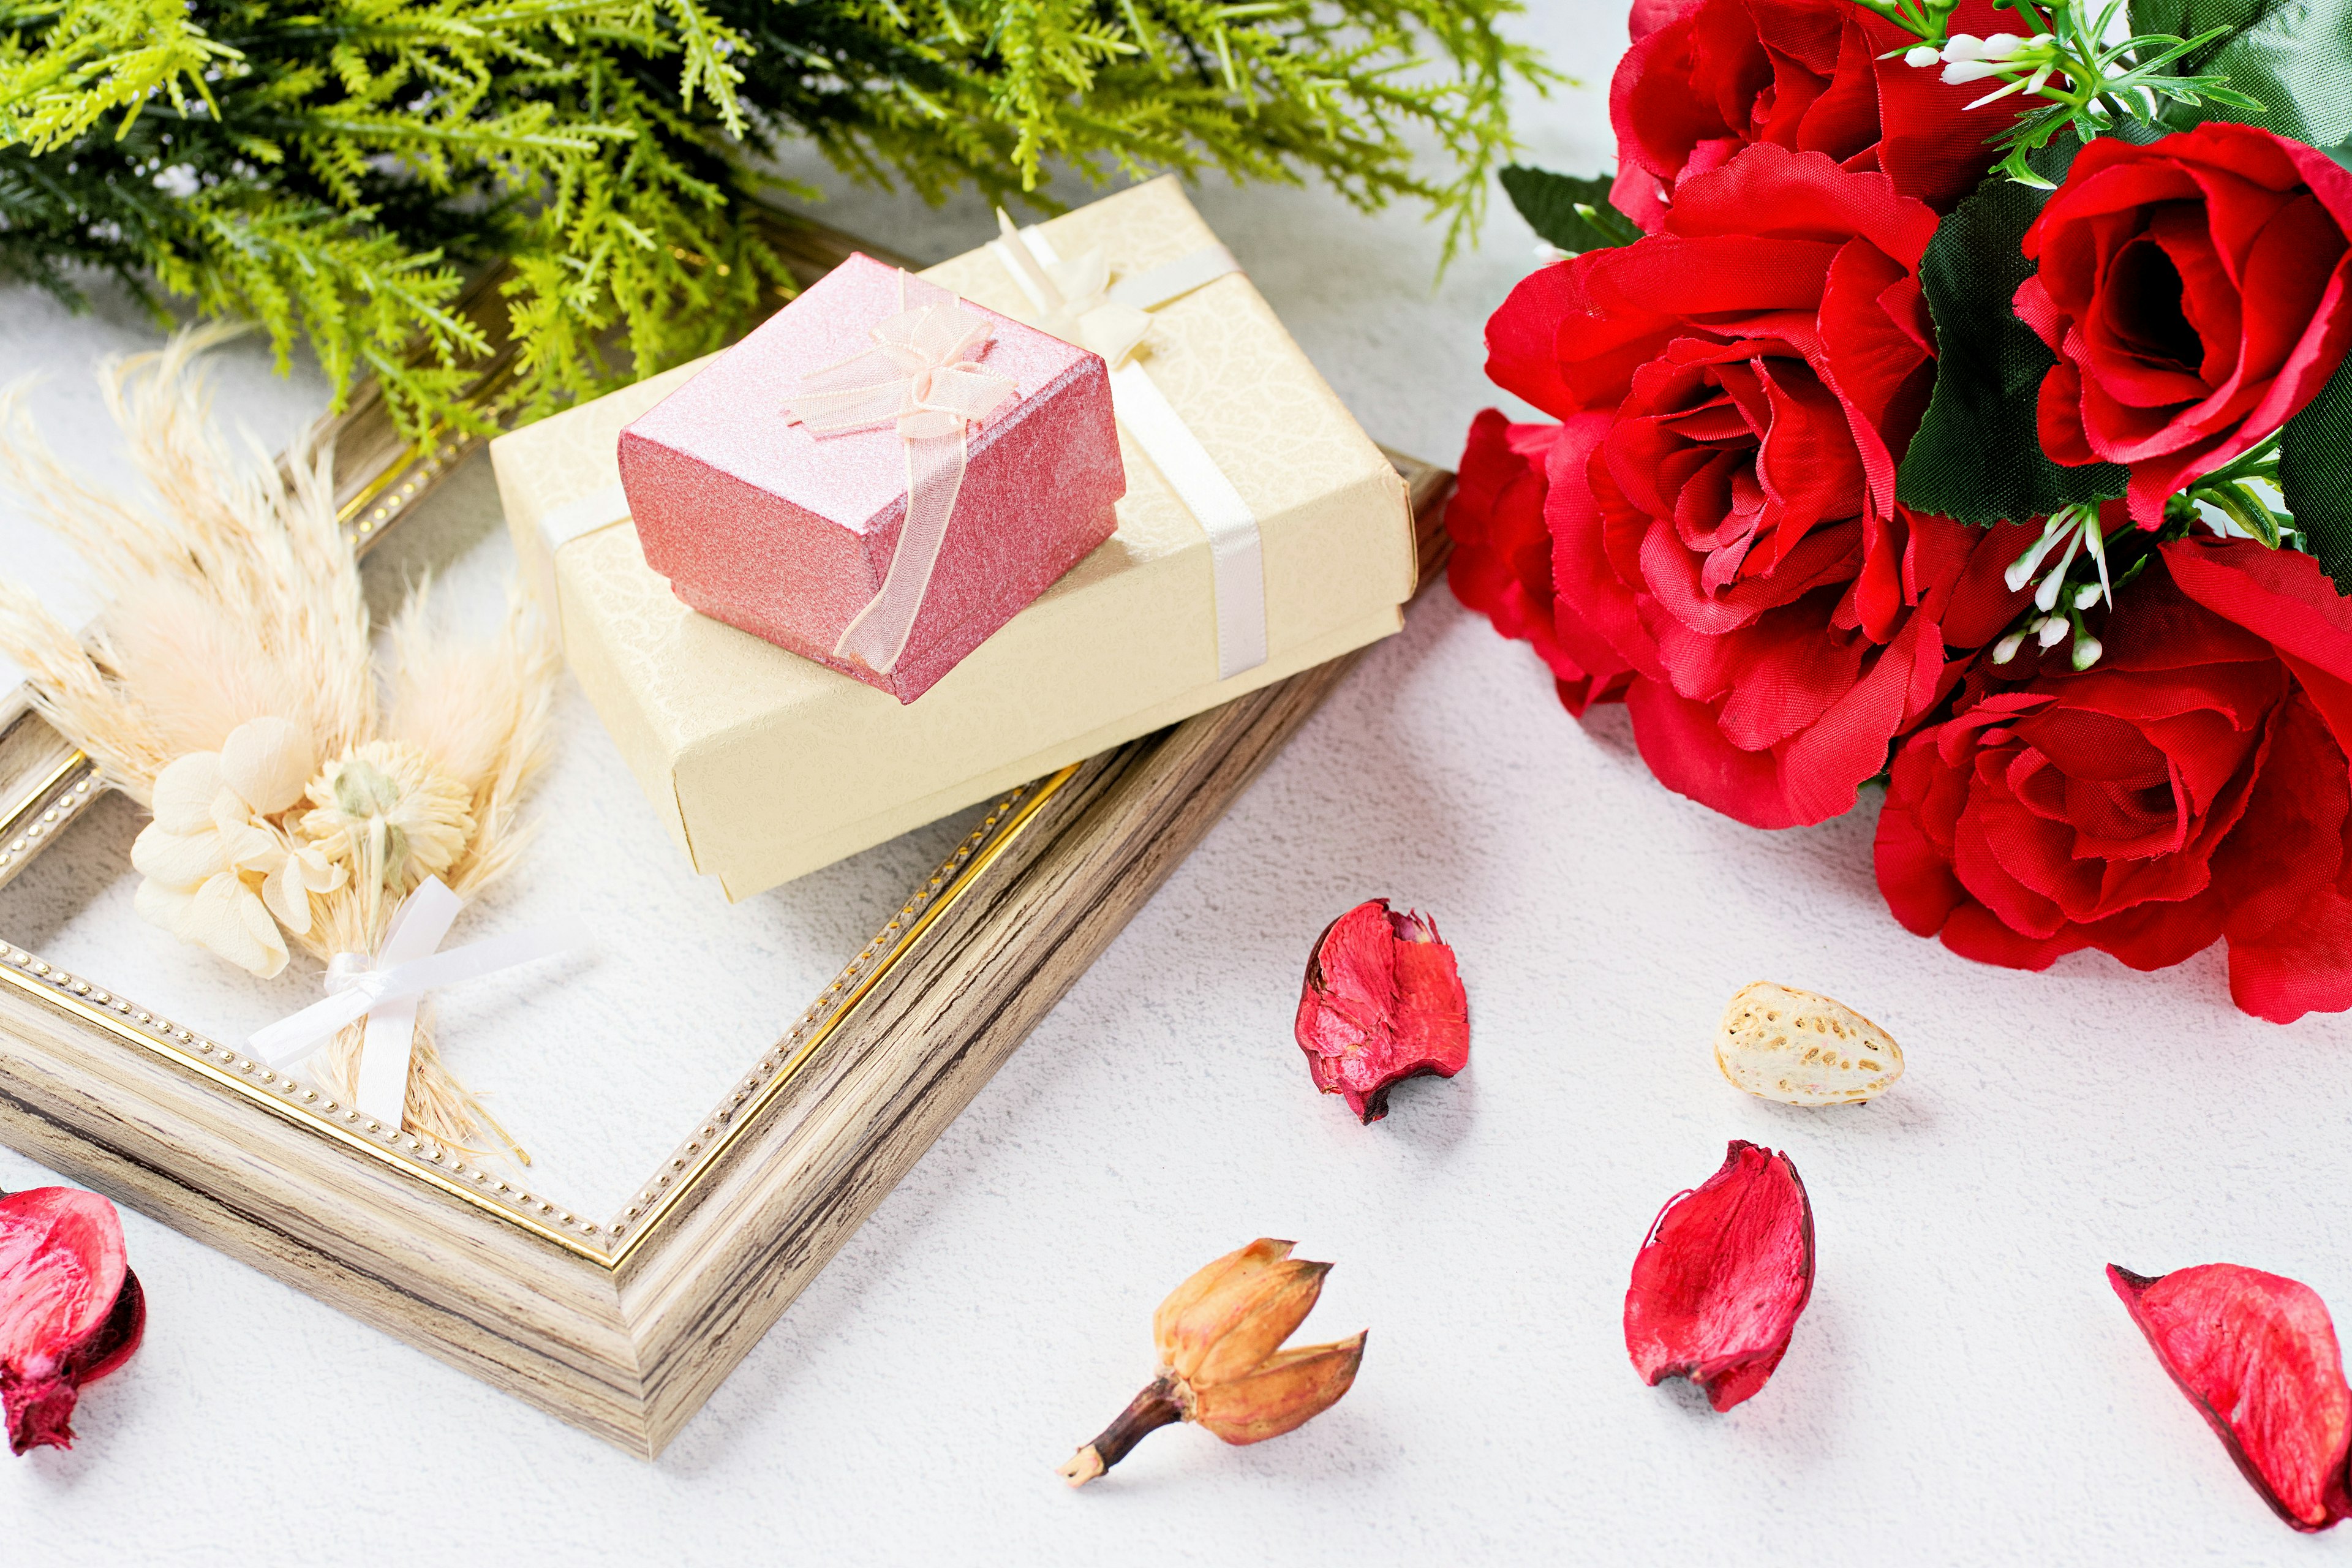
(766, 765)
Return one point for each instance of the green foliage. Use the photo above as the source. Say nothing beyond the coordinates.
(333, 168)
(2290, 56)
(1574, 215)
(2311, 475)
(2073, 72)
(1978, 454)
(2112, 86)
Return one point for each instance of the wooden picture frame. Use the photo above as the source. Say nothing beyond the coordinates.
(622, 1324)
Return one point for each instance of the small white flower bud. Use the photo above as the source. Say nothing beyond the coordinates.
(1962, 46)
(1923, 56)
(1999, 46)
(1967, 71)
(2086, 651)
(2006, 649)
(2086, 596)
(2053, 631)
(2024, 568)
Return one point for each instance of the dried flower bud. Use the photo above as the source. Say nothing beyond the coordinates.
(1382, 1002)
(1221, 1365)
(1800, 1049)
(1723, 1276)
(2256, 1354)
(71, 1308)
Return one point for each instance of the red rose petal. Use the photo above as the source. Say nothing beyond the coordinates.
(2257, 1355)
(1684, 747)
(1913, 850)
(2304, 965)
(1933, 145)
(2289, 845)
(71, 1308)
(1382, 1002)
(1723, 1276)
(1520, 336)
(1501, 562)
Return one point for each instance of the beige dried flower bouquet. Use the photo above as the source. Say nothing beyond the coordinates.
(232, 686)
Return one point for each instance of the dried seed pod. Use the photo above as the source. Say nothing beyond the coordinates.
(1723, 1276)
(1218, 1335)
(2256, 1353)
(1800, 1049)
(1382, 1002)
(71, 1308)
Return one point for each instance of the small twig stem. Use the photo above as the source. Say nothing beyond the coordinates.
(1155, 1408)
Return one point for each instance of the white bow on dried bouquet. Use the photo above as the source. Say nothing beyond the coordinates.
(231, 686)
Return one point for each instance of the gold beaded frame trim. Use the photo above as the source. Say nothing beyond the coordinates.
(43, 810)
(379, 502)
(83, 998)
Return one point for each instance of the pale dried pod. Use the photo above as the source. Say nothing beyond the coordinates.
(1803, 1049)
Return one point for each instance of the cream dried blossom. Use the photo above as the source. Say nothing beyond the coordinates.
(236, 651)
(386, 811)
(218, 871)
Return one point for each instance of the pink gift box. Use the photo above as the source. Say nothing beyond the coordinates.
(788, 535)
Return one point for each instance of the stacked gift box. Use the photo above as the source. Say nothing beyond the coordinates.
(920, 539)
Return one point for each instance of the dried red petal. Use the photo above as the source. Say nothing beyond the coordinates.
(1723, 1276)
(71, 1308)
(2256, 1354)
(1382, 1002)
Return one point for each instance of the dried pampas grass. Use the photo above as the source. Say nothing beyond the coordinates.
(236, 656)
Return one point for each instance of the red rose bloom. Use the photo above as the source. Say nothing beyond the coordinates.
(1705, 77)
(1501, 565)
(1721, 497)
(2191, 786)
(2195, 293)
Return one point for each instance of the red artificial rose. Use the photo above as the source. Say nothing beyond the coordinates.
(1735, 390)
(2194, 291)
(2191, 786)
(1501, 565)
(1705, 77)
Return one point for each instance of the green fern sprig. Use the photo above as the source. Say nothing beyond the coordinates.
(333, 169)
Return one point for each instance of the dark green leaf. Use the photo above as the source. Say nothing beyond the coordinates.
(1573, 214)
(2161, 16)
(1978, 456)
(2292, 56)
(2311, 473)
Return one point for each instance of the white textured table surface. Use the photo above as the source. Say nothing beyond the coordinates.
(1963, 1388)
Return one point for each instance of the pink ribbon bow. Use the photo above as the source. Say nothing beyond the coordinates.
(923, 375)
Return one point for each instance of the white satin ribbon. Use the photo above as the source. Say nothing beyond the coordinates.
(923, 375)
(386, 992)
(1076, 302)
(558, 526)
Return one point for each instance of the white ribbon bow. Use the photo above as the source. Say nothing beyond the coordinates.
(1078, 307)
(1076, 302)
(923, 375)
(384, 991)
